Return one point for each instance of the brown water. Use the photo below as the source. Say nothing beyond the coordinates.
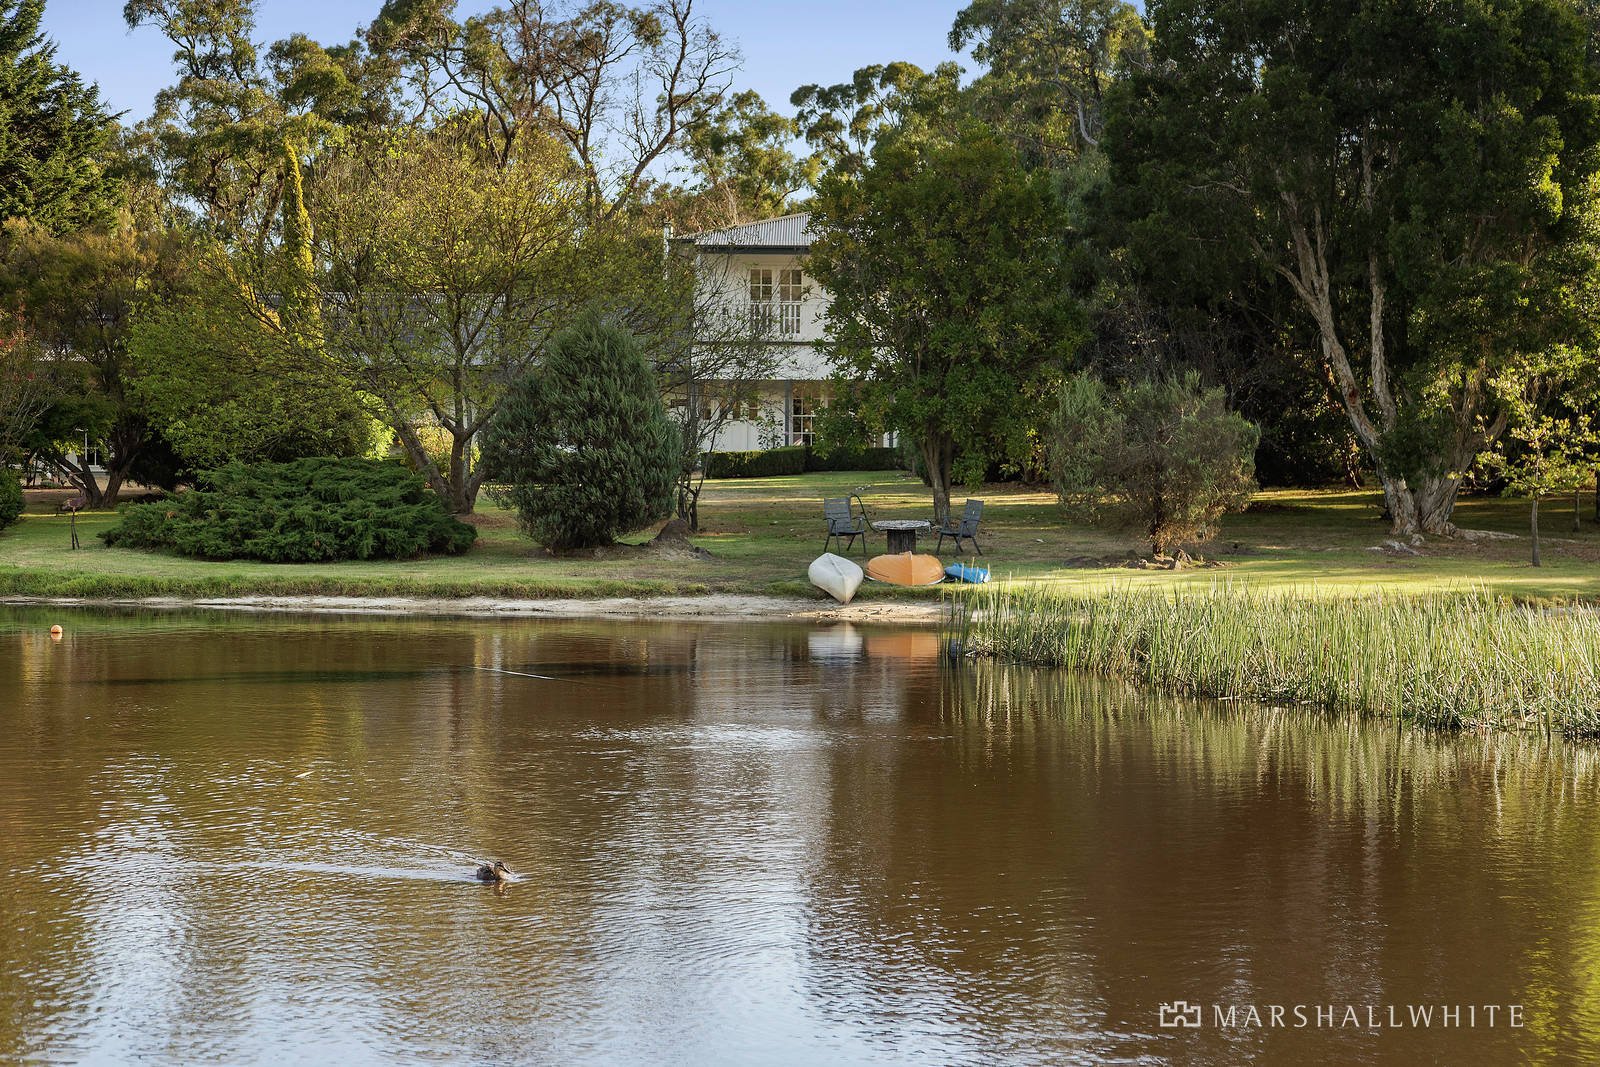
(249, 839)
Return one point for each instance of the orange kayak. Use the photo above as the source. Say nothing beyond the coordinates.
(904, 568)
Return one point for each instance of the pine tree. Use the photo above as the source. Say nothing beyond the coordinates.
(54, 132)
(584, 442)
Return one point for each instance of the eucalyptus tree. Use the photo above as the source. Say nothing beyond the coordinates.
(618, 85)
(741, 166)
(842, 122)
(442, 268)
(1422, 179)
(1048, 67)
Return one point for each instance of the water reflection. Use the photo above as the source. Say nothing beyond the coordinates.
(241, 838)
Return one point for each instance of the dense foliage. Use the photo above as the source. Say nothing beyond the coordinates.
(78, 292)
(1375, 228)
(948, 316)
(1420, 181)
(1164, 456)
(54, 132)
(10, 498)
(305, 511)
(584, 442)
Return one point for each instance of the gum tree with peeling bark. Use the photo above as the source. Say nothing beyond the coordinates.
(1421, 178)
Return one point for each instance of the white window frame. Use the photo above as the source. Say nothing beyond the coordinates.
(761, 292)
(791, 291)
(805, 400)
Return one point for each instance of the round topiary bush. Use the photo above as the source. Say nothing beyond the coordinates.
(305, 511)
(10, 498)
(583, 443)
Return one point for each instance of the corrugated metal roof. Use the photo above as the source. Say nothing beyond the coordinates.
(786, 232)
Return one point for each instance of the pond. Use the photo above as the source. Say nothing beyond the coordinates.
(251, 838)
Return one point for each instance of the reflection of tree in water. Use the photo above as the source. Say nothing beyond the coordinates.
(1072, 853)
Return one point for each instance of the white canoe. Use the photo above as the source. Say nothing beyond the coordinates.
(836, 576)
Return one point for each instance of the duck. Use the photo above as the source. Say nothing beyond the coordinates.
(496, 872)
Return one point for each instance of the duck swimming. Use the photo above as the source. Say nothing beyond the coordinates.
(497, 872)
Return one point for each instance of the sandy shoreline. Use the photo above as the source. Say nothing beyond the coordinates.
(724, 607)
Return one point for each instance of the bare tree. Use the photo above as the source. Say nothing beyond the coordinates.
(619, 86)
(712, 356)
(24, 388)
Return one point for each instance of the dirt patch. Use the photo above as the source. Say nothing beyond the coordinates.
(671, 543)
(503, 520)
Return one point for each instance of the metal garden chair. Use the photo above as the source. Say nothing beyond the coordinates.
(847, 520)
(965, 529)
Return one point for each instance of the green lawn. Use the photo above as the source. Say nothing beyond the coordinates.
(763, 532)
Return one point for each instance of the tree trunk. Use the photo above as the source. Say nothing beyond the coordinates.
(114, 478)
(421, 460)
(81, 477)
(1424, 508)
(1577, 510)
(457, 487)
(1158, 520)
(462, 494)
(938, 455)
(1534, 522)
(125, 443)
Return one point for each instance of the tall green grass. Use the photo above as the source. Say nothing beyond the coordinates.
(1443, 661)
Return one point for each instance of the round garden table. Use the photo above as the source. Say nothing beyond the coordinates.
(902, 533)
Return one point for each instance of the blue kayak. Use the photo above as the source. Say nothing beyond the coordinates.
(961, 572)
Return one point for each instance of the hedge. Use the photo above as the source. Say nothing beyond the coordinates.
(798, 459)
(768, 464)
(856, 459)
(308, 510)
(10, 498)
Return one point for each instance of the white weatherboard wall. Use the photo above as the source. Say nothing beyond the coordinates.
(724, 260)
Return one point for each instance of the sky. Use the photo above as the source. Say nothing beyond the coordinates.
(785, 45)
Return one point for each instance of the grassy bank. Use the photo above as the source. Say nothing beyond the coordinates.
(763, 532)
(1440, 660)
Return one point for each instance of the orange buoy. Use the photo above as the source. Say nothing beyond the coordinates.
(55, 633)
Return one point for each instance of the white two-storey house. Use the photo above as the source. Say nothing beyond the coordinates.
(757, 271)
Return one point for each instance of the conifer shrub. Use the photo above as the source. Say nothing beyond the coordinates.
(304, 511)
(582, 444)
(10, 498)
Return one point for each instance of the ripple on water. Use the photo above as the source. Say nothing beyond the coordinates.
(254, 841)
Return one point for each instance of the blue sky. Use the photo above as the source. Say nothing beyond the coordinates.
(785, 45)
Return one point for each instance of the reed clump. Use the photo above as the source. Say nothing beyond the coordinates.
(1442, 661)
